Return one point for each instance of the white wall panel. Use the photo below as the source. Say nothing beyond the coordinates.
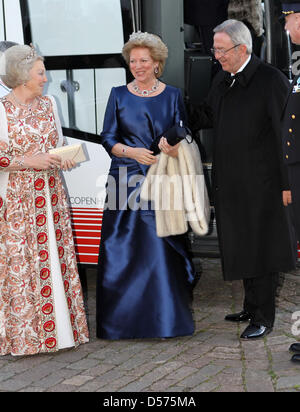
(85, 100)
(13, 21)
(2, 34)
(53, 88)
(105, 80)
(76, 27)
(86, 183)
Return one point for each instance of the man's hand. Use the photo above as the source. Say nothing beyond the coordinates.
(287, 197)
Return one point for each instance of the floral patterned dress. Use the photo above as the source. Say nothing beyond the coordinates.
(41, 303)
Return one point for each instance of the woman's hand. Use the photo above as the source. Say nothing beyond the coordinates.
(68, 165)
(141, 155)
(168, 149)
(42, 161)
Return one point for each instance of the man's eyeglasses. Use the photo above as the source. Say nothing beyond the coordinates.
(222, 52)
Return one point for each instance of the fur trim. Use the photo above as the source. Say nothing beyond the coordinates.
(177, 188)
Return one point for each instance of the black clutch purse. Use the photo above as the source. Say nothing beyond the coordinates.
(177, 133)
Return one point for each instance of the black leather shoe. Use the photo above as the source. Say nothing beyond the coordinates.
(238, 317)
(255, 332)
(296, 358)
(295, 347)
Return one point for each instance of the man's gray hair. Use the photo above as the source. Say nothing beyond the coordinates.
(238, 33)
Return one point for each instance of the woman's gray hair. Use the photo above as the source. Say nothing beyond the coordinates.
(238, 33)
(19, 60)
(157, 48)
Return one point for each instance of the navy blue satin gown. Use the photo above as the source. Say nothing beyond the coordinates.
(144, 282)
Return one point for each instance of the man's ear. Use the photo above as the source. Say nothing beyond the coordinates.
(243, 48)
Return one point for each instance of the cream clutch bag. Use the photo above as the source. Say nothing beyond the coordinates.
(73, 152)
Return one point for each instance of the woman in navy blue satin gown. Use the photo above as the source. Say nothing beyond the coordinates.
(144, 282)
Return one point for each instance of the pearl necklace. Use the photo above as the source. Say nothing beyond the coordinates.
(145, 92)
(27, 106)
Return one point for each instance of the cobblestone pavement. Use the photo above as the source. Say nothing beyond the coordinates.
(214, 359)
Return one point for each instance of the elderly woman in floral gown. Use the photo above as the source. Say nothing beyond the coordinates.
(41, 304)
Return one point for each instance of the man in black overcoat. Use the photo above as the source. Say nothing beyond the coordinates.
(250, 182)
(291, 130)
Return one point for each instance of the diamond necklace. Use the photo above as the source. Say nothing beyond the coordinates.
(28, 106)
(145, 92)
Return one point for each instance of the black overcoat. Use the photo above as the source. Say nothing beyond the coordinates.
(248, 171)
(291, 149)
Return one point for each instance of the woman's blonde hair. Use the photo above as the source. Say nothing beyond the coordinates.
(157, 48)
(19, 60)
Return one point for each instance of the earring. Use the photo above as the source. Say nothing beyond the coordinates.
(156, 70)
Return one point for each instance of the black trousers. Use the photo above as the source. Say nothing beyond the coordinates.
(260, 294)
